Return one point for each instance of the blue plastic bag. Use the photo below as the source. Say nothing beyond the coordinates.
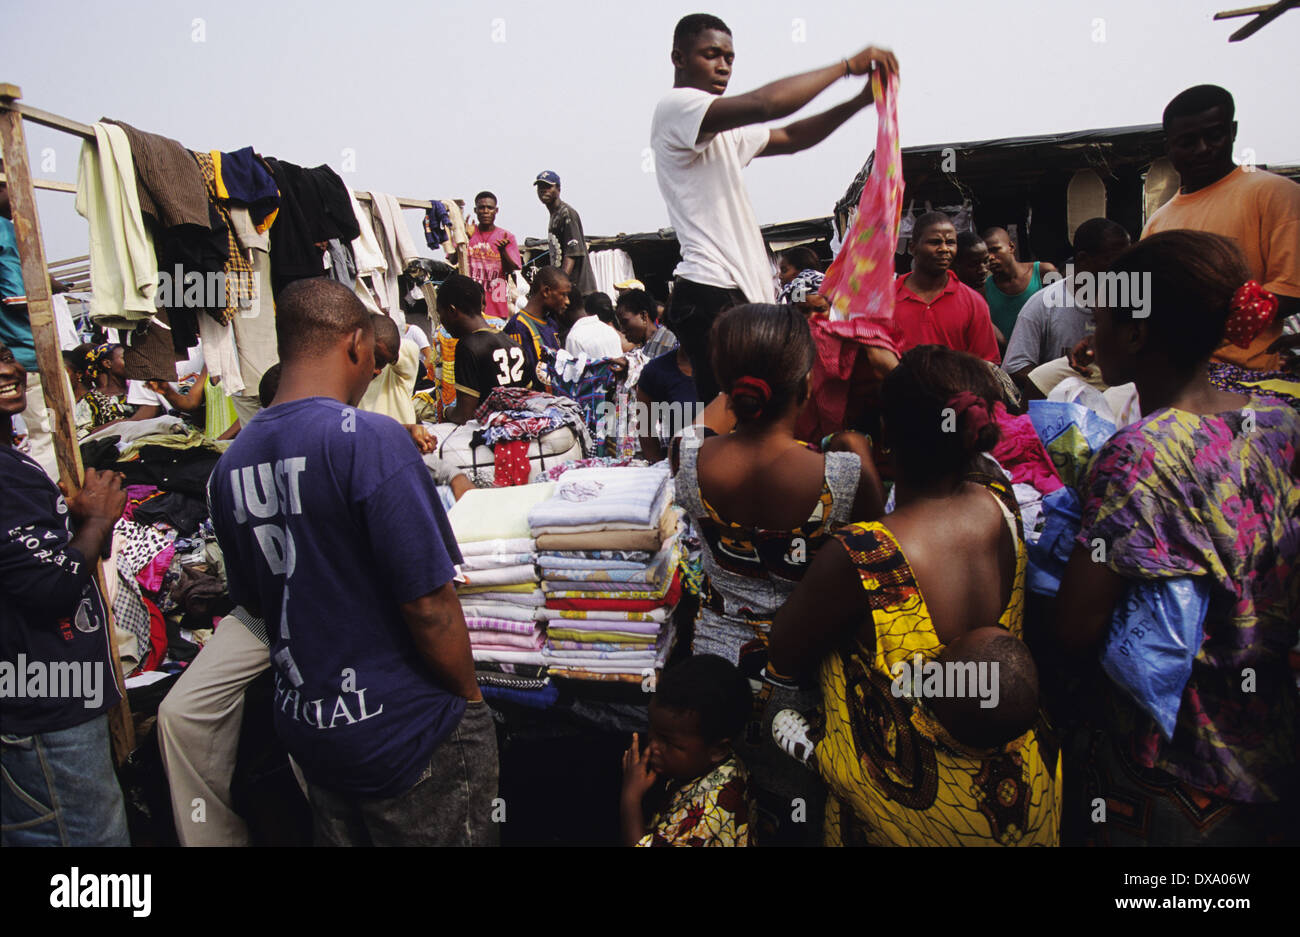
(1071, 434)
(1154, 635)
(1051, 551)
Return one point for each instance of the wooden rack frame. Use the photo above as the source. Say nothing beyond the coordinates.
(40, 310)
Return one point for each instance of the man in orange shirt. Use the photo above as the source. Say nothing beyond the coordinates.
(1257, 209)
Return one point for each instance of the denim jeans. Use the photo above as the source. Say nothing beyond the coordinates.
(690, 315)
(60, 789)
(450, 805)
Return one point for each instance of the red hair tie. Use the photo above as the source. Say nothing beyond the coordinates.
(972, 414)
(1250, 312)
(761, 389)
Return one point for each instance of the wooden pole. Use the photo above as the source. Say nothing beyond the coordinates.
(1263, 16)
(49, 361)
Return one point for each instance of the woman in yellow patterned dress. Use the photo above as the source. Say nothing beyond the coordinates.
(948, 560)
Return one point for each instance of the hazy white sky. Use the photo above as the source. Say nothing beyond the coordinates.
(442, 98)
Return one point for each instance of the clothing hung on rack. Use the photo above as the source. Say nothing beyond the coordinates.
(397, 247)
(238, 272)
(314, 207)
(123, 263)
(242, 177)
(371, 284)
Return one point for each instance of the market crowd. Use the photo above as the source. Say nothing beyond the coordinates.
(1082, 506)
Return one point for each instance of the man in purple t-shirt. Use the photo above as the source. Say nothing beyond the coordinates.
(493, 256)
(334, 534)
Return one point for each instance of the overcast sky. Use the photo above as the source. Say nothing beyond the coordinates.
(442, 99)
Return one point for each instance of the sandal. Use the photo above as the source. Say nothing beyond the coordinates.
(790, 730)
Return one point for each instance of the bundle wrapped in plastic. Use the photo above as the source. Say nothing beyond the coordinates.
(1154, 635)
(1072, 435)
(1051, 551)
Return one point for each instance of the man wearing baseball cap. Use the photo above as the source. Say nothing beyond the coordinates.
(568, 243)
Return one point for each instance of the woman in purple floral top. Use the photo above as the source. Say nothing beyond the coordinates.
(1203, 485)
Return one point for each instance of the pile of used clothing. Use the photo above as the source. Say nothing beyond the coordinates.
(603, 389)
(164, 575)
(517, 435)
(607, 541)
(500, 593)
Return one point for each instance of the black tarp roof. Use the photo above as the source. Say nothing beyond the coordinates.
(808, 229)
(1015, 161)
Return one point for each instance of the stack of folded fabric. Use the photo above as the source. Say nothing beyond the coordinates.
(608, 550)
(498, 585)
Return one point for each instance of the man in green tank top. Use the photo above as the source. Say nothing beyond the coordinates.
(1010, 283)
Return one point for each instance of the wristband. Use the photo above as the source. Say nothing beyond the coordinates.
(847, 71)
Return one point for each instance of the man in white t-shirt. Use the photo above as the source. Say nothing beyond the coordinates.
(150, 403)
(589, 336)
(701, 141)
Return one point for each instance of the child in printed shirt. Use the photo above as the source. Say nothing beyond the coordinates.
(700, 706)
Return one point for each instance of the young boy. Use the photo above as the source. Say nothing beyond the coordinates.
(700, 706)
(485, 359)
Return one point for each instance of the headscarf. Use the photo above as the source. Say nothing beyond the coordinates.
(96, 359)
(804, 282)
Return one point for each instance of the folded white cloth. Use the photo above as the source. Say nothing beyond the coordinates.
(663, 506)
(496, 513)
(509, 657)
(498, 547)
(500, 640)
(604, 499)
(496, 560)
(504, 576)
(500, 610)
(534, 599)
(130, 430)
(602, 666)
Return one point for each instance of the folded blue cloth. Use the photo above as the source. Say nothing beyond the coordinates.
(543, 698)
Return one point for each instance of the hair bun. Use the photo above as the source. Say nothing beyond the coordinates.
(753, 389)
(985, 438)
(975, 422)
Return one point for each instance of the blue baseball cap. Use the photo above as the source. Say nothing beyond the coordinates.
(548, 177)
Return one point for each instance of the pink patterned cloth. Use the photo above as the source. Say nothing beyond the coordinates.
(860, 282)
(508, 642)
(498, 626)
(151, 577)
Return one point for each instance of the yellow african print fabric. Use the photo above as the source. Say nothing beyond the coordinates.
(895, 775)
(712, 810)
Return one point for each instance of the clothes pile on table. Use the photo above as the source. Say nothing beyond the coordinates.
(499, 589)
(163, 576)
(607, 541)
